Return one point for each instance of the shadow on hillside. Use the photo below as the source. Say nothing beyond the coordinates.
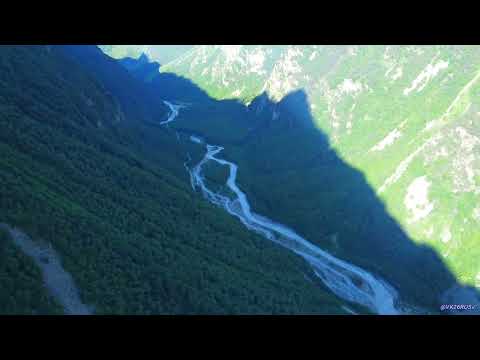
(336, 200)
(366, 233)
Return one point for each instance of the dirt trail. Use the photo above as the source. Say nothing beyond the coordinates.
(58, 282)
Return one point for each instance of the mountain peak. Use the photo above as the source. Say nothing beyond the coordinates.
(144, 58)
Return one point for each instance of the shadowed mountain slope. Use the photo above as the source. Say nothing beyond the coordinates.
(75, 174)
(293, 175)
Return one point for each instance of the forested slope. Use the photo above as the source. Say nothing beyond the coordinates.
(78, 174)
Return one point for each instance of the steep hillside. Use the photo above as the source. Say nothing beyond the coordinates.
(80, 171)
(141, 68)
(138, 101)
(407, 117)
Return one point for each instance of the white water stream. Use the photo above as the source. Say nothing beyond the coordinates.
(346, 280)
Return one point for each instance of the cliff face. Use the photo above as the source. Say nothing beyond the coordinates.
(406, 116)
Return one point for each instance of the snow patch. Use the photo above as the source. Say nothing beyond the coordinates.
(394, 75)
(416, 200)
(349, 86)
(353, 51)
(398, 74)
(446, 235)
(237, 92)
(388, 140)
(425, 76)
(476, 214)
